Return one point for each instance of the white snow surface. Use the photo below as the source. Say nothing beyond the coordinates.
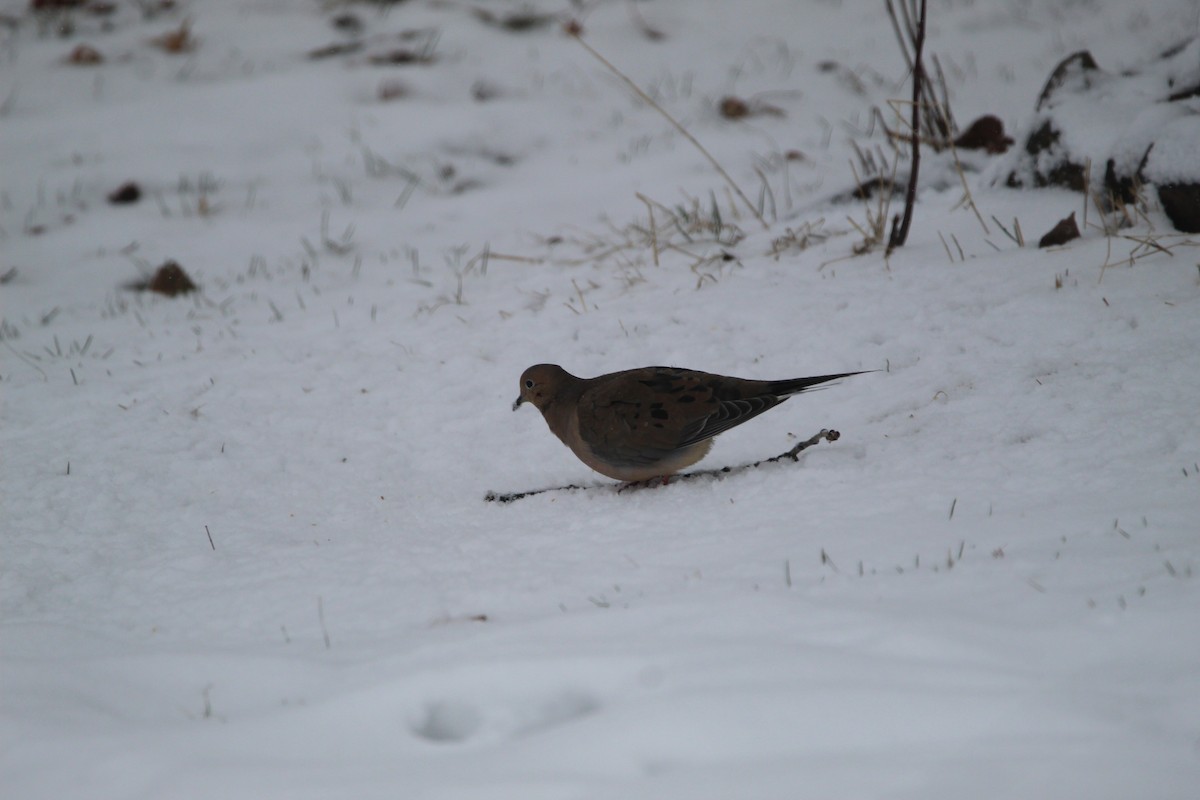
(987, 588)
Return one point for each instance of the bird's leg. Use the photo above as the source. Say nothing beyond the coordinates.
(646, 484)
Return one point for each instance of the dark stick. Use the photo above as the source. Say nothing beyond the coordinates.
(793, 455)
(900, 229)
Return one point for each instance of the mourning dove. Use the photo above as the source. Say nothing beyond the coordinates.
(650, 422)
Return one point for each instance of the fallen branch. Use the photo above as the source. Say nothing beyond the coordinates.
(792, 455)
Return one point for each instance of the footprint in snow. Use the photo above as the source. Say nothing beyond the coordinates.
(455, 721)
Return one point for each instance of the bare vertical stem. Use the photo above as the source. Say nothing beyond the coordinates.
(900, 230)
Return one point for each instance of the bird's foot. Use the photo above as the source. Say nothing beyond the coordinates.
(649, 483)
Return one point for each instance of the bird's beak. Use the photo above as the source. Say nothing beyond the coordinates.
(517, 402)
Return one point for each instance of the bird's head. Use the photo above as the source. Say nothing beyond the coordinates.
(540, 384)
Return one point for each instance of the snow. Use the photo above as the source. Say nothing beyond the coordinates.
(986, 588)
(1134, 119)
(1173, 159)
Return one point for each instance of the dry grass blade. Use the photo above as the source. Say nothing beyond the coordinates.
(968, 198)
(1015, 234)
(653, 230)
(675, 123)
(881, 184)
(799, 239)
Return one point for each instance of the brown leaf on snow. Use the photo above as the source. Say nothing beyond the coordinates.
(1063, 232)
(177, 41)
(985, 133)
(169, 279)
(84, 55)
(126, 193)
(736, 108)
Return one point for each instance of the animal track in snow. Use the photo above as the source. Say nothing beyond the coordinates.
(454, 721)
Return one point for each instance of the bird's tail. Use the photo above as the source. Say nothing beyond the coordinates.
(798, 385)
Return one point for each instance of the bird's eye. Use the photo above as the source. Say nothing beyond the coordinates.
(528, 383)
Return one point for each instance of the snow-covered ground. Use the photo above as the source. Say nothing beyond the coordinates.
(244, 546)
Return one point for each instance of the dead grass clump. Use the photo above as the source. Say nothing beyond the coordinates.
(799, 239)
(875, 179)
(696, 235)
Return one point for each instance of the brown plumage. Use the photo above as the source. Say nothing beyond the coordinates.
(650, 422)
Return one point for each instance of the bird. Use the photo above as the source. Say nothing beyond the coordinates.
(640, 424)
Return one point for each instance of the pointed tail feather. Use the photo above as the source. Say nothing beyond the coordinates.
(798, 385)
